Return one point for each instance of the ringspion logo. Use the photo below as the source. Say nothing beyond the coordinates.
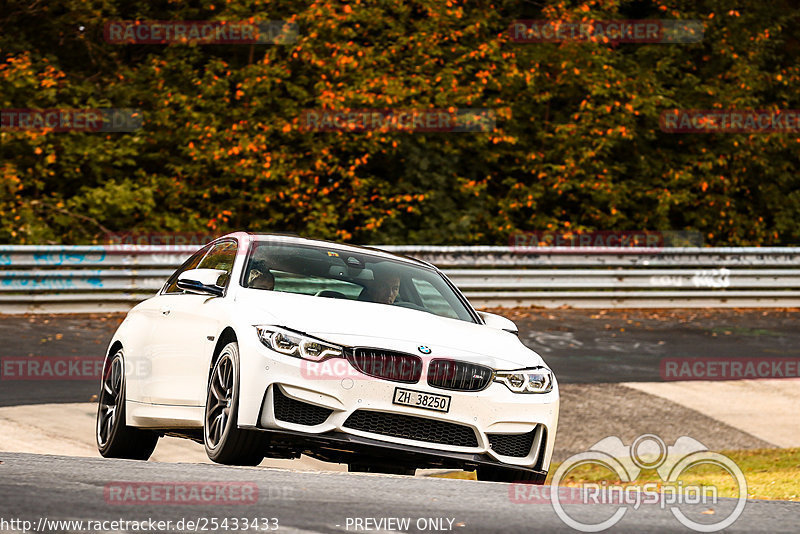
(648, 452)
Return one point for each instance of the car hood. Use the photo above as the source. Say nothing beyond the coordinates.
(366, 324)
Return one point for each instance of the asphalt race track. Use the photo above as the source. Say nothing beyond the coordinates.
(69, 488)
(582, 346)
(591, 346)
(593, 353)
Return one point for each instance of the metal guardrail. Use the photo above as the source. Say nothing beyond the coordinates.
(115, 277)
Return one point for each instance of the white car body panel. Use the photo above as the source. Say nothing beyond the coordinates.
(169, 355)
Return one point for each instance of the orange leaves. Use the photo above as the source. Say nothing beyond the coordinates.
(573, 131)
(344, 235)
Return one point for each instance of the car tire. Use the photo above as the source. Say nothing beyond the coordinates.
(490, 473)
(114, 438)
(224, 441)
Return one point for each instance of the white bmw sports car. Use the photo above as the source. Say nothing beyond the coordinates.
(272, 346)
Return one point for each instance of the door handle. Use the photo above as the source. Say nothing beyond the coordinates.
(165, 311)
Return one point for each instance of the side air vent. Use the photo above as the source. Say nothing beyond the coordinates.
(297, 412)
(514, 445)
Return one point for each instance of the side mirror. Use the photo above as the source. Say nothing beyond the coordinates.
(499, 322)
(202, 281)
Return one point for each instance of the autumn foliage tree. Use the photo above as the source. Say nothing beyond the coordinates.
(577, 143)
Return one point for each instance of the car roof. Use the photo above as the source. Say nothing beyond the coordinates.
(290, 238)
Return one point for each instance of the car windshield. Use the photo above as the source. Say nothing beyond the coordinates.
(342, 274)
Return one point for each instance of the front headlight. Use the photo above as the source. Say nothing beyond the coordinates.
(538, 380)
(297, 344)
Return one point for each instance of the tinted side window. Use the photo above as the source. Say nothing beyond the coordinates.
(221, 256)
(191, 263)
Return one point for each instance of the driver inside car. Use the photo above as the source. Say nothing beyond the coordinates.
(261, 280)
(384, 290)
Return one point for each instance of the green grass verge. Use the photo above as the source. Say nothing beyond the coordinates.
(771, 474)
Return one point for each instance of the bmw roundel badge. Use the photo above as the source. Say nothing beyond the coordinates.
(424, 349)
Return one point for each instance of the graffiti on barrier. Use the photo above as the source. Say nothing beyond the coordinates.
(62, 258)
(712, 278)
(27, 282)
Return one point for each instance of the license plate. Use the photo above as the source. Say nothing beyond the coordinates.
(418, 399)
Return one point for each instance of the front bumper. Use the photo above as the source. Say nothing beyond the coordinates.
(488, 413)
(342, 448)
